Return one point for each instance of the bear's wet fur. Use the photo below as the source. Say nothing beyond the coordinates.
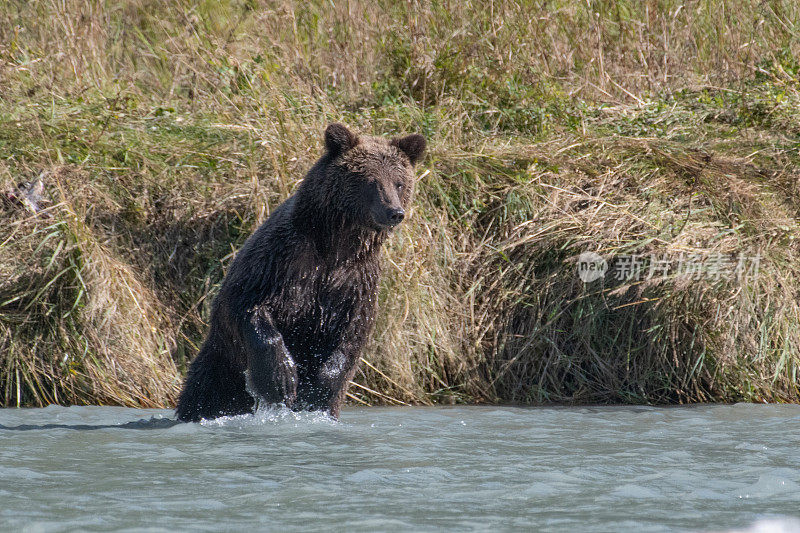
(299, 299)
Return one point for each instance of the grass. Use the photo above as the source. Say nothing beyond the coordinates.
(165, 133)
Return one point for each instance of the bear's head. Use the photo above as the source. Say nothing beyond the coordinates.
(367, 180)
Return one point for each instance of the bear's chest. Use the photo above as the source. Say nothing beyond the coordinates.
(316, 306)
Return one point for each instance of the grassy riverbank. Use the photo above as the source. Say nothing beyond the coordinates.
(165, 134)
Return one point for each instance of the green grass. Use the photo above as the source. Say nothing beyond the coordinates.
(164, 134)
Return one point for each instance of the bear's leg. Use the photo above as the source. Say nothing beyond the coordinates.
(323, 389)
(213, 387)
(338, 388)
(271, 371)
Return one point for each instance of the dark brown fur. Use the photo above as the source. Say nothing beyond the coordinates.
(299, 299)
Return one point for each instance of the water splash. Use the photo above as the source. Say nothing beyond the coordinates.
(272, 415)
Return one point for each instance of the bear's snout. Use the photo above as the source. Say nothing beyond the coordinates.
(388, 217)
(386, 206)
(396, 216)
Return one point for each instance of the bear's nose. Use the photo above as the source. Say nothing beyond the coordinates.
(396, 216)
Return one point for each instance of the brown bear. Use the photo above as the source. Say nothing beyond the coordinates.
(299, 299)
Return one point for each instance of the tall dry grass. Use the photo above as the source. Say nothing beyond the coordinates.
(166, 132)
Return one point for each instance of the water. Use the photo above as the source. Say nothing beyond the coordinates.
(707, 468)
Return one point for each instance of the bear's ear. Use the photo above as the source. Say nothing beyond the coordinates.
(411, 145)
(338, 139)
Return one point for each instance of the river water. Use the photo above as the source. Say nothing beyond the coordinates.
(703, 468)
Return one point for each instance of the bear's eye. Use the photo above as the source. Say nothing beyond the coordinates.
(399, 186)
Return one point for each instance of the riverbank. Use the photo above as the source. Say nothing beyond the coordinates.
(665, 139)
